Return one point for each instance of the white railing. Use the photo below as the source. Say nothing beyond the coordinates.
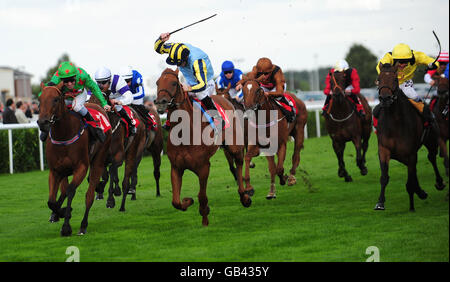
(314, 106)
(10, 128)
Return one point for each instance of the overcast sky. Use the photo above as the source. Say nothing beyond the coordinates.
(294, 34)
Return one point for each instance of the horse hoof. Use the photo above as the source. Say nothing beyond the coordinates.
(250, 192)
(283, 179)
(422, 195)
(439, 186)
(252, 165)
(205, 221)
(292, 180)
(187, 202)
(82, 232)
(364, 171)
(53, 218)
(379, 207)
(66, 230)
(247, 203)
(271, 196)
(348, 178)
(99, 197)
(131, 191)
(110, 205)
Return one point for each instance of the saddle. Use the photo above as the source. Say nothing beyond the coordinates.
(130, 114)
(214, 123)
(148, 118)
(287, 106)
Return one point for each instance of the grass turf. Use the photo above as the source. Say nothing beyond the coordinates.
(332, 221)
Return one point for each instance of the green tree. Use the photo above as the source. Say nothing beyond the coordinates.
(36, 88)
(365, 62)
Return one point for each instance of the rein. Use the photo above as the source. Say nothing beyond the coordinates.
(73, 139)
(337, 86)
(171, 103)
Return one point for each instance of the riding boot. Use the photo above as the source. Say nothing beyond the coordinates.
(326, 105)
(209, 104)
(131, 125)
(290, 115)
(97, 131)
(428, 116)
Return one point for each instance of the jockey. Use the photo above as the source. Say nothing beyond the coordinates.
(352, 87)
(231, 75)
(134, 81)
(119, 93)
(443, 62)
(272, 81)
(195, 66)
(75, 81)
(408, 61)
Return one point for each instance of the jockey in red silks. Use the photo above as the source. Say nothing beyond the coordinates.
(352, 87)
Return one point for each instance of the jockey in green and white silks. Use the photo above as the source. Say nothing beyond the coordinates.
(195, 66)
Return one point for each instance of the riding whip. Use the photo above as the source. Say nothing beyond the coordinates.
(437, 58)
(192, 24)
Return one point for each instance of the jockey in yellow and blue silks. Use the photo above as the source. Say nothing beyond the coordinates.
(195, 66)
(231, 75)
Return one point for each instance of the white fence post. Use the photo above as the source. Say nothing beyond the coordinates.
(10, 145)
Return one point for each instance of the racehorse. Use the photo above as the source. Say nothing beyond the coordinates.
(343, 125)
(254, 101)
(440, 110)
(129, 149)
(225, 92)
(182, 156)
(72, 157)
(400, 133)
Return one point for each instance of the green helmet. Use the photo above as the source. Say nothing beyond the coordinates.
(66, 69)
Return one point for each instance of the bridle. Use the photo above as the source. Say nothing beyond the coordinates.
(54, 118)
(171, 103)
(336, 85)
(391, 98)
(259, 93)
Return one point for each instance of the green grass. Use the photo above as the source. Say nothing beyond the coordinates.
(333, 221)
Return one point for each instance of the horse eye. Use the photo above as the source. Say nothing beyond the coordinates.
(174, 84)
(55, 100)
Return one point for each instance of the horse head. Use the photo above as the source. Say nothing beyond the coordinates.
(337, 81)
(225, 92)
(169, 91)
(253, 94)
(51, 106)
(387, 84)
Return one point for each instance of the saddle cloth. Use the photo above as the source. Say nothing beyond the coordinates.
(220, 110)
(291, 107)
(101, 120)
(133, 119)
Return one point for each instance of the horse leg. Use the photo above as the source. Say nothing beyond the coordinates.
(412, 185)
(251, 152)
(203, 174)
(78, 177)
(238, 158)
(231, 164)
(359, 159)
(432, 153)
(156, 169)
(280, 169)
(272, 169)
(111, 202)
(296, 157)
(176, 176)
(95, 172)
(53, 184)
(129, 167)
(365, 146)
(339, 148)
(384, 157)
(444, 153)
(101, 185)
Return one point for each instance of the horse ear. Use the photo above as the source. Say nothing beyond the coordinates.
(60, 85)
(42, 85)
(177, 71)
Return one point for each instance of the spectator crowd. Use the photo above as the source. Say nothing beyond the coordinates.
(18, 112)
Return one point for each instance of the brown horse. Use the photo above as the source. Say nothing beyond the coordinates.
(255, 100)
(186, 155)
(225, 92)
(343, 125)
(72, 157)
(401, 133)
(440, 111)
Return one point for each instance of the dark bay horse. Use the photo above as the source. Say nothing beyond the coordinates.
(188, 155)
(72, 157)
(343, 125)
(255, 101)
(400, 131)
(440, 110)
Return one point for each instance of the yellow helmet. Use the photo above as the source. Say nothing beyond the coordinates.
(402, 51)
(177, 54)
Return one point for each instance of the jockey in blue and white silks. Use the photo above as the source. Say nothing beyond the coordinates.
(195, 66)
(231, 75)
(135, 82)
(120, 93)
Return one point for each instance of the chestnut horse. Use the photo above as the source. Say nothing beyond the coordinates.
(343, 125)
(72, 157)
(182, 156)
(400, 133)
(440, 111)
(255, 100)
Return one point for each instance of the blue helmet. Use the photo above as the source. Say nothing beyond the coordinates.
(227, 66)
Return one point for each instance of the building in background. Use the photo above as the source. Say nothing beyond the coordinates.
(15, 83)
